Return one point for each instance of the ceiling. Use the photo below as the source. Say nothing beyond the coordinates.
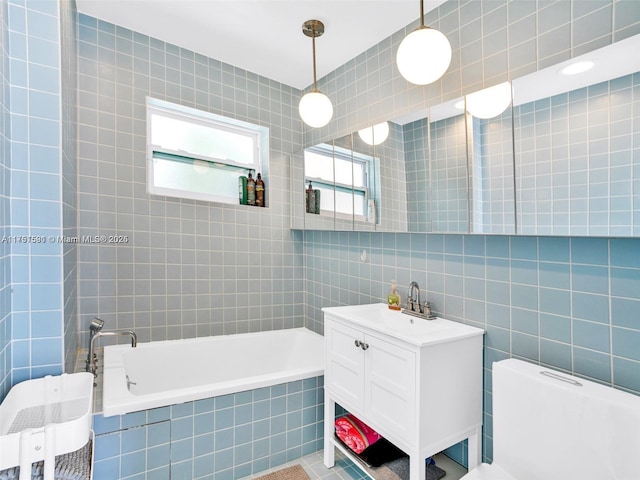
(264, 36)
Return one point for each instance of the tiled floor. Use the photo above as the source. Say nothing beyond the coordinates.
(344, 469)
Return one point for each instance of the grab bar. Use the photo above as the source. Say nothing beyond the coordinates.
(561, 378)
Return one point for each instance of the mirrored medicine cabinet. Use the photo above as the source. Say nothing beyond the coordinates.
(559, 155)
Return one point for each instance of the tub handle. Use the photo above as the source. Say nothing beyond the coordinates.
(561, 378)
(129, 383)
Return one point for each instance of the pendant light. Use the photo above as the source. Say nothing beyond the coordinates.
(375, 135)
(489, 102)
(315, 107)
(424, 55)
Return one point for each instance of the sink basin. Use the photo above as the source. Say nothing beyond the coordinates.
(415, 330)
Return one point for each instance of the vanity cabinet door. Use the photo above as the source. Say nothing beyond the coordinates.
(345, 364)
(390, 386)
(372, 377)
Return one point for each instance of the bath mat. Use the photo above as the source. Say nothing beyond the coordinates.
(296, 472)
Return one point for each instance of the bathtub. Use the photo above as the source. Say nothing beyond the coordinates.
(157, 374)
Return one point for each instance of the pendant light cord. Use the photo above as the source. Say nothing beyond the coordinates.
(313, 43)
(421, 13)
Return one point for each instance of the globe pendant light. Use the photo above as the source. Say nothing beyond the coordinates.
(424, 55)
(315, 107)
(489, 102)
(375, 135)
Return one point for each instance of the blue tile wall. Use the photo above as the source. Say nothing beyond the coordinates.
(567, 303)
(492, 175)
(190, 268)
(557, 139)
(563, 302)
(492, 41)
(5, 206)
(31, 122)
(391, 182)
(33, 35)
(416, 149)
(226, 437)
(448, 170)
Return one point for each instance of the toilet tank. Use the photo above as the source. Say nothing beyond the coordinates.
(549, 425)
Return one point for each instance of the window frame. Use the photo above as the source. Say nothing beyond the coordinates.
(332, 152)
(258, 134)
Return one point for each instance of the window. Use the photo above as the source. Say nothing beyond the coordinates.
(199, 155)
(341, 176)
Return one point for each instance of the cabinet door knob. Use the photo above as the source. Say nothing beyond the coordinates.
(364, 346)
(357, 343)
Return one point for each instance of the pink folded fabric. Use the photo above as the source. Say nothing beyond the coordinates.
(355, 434)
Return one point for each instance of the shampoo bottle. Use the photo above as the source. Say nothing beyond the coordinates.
(310, 199)
(316, 208)
(259, 191)
(242, 189)
(251, 190)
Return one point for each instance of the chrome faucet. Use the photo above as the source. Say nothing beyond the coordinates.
(411, 300)
(415, 306)
(92, 359)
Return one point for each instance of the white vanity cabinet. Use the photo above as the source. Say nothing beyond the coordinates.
(416, 382)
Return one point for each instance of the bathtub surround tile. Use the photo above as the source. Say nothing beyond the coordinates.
(221, 436)
(111, 127)
(37, 51)
(191, 264)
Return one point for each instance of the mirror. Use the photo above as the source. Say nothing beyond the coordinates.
(387, 206)
(297, 195)
(375, 179)
(577, 155)
(491, 160)
(326, 181)
(472, 167)
(366, 170)
(402, 183)
(448, 168)
(567, 143)
(317, 187)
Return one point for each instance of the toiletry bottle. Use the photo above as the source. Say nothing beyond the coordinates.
(393, 299)
(259, 191)
(242, 189)
(251, 190)
(310, 199)
(316, 208)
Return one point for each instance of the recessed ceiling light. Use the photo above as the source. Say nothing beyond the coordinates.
(578, 67)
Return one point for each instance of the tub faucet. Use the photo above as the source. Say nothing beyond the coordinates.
(95, 326)
(92, 360)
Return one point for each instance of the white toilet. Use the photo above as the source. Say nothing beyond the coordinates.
(548, 425)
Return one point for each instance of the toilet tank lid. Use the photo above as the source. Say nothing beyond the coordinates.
(578, 385)
(549, 424)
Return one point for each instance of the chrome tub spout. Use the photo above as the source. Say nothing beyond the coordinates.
(92, 360)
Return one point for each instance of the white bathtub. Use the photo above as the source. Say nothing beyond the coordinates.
(157, 374)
